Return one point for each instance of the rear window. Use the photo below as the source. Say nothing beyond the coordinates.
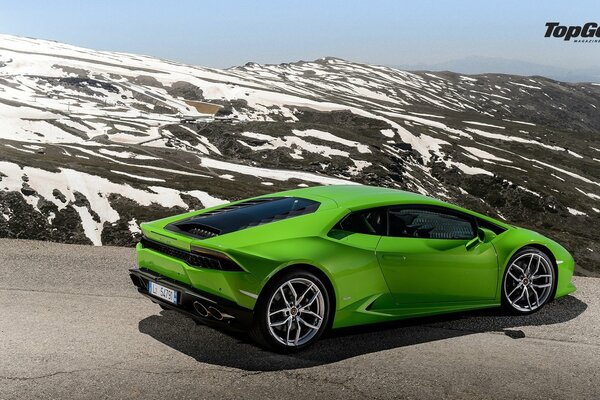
(244, 215)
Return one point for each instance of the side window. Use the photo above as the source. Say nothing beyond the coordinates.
(488, 225)
(369, 222)
(425, 222)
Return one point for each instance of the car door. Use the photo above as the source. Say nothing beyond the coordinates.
(429, 256)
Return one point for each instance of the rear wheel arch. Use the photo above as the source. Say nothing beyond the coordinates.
(302, 266)
(268, 333)
(308, 268)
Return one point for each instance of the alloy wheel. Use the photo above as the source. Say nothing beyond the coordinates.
(528, 282)
(296, 312)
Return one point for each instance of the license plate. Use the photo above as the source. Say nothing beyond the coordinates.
(164, 293)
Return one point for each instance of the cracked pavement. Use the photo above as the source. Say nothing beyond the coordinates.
(72, 326)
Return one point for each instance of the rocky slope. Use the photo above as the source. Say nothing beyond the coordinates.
(92, 143)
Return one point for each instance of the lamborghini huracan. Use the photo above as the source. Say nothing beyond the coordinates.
(288, 266)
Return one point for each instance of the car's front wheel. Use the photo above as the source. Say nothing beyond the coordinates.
(292, 312)
(529, 281)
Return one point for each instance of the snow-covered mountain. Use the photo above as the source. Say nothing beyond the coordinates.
(92, 143)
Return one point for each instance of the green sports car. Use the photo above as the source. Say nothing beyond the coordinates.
(288, 266)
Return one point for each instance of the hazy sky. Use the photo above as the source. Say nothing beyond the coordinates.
(225, 33)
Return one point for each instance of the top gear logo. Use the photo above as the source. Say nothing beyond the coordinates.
(588, 33)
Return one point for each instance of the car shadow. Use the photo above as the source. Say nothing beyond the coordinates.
(215, 347)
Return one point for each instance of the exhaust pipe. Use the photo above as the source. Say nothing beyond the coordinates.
(200, 309)
(216, 314)
(138, 282)
(208, 312)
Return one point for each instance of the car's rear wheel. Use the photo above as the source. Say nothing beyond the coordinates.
(529, 281)
(292, 312)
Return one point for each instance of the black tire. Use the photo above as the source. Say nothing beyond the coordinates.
(265, 336)
(526, 287)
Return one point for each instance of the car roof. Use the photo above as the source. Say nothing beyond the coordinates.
(359, 196)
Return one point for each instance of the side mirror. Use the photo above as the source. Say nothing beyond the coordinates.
(483, 236)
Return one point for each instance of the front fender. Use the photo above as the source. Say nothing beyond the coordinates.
(509, 243)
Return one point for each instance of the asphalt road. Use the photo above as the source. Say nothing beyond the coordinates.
(72, 326)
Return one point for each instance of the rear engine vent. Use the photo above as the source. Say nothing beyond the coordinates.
(198, 230)
(236, 206)
(283, 215)
(245, 214)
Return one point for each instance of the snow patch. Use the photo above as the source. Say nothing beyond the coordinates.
(482, 124)
(280, 175)
(575, 212)
(484, 154)
(134, 226)
(143, 178)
